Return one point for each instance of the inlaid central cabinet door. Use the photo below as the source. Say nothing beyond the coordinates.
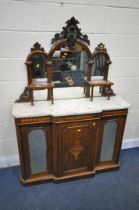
(76, 147)
(36, 142)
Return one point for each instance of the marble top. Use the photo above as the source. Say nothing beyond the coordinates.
(68, 101)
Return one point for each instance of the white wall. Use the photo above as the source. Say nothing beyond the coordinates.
(23, 22)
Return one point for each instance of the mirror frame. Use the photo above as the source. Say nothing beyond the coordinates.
(70, 35)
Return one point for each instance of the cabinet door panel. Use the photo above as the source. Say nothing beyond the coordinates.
(77, 147)
(36, 141)
(37, 151)
(108, 140)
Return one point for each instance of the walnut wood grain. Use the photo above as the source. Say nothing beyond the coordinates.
(74, 144)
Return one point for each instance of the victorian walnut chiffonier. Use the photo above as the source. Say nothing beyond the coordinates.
(62, 133)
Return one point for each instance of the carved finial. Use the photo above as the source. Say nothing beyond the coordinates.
(71, 32)
(72, 21)
(101, 46)
(37, 46)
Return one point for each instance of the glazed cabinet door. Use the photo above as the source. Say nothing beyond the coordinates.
(36, 150)
(110, 140)
(76, 147)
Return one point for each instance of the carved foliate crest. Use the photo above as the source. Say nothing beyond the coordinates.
(100, 47)
(37, 46)
(71, 32)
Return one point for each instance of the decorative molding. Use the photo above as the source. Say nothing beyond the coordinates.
(10, 161)
(71, 32)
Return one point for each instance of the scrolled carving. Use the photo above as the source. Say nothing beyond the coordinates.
(56, 38)
(24, 97)
(72, 32)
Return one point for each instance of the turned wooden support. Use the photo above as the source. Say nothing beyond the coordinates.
(49, 71)
(106, 69)
(87, 86)
(31, 97)
(92, 92)
(90, 63)
(29, 71)
(49, 80)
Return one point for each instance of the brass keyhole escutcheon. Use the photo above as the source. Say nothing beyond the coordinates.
(94, 123)
(79, 130)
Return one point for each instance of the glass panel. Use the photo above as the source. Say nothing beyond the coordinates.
(108, 140)
(38, 66)
(69, 67)
(37, 151)
(84, 63)
(99, 61)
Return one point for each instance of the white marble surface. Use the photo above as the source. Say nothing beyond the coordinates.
(68, 101)
(61, 93)
(64, 93)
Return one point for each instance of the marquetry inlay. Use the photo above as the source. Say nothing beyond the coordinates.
(33, 120)
(76, 149)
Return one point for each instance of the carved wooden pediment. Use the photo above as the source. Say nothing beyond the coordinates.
(71, 32)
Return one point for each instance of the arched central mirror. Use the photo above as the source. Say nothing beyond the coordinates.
(69, 67)
(70, 56)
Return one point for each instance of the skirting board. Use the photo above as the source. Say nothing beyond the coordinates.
(10, 161)
(130, 143)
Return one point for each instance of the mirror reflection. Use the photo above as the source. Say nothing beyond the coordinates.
(38, 66)
(69, 67)
(98, 66)
(39, 69)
